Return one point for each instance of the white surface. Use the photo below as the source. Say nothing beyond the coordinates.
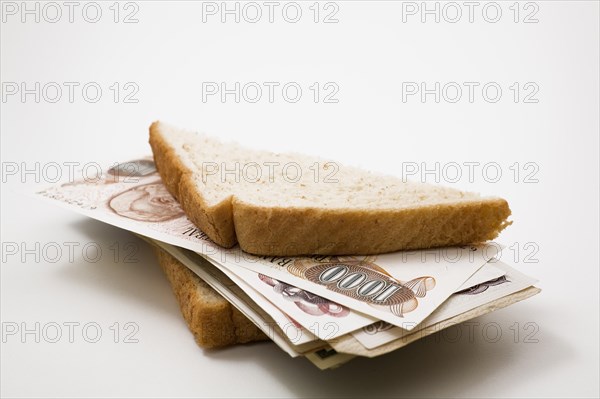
(369, 53)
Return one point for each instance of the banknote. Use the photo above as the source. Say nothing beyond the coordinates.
(319, 316)
(401, 288)
(350, 345)
(488, 272)
(295, 308)
(328, 358)
(510, 281)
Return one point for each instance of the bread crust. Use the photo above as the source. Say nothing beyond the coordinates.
(213, 321)
(215, 221)
(292, 231)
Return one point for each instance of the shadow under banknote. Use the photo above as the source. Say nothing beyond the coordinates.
(116, 261)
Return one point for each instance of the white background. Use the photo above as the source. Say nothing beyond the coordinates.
(368, 54)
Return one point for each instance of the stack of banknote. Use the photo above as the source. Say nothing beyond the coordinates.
(329, 309)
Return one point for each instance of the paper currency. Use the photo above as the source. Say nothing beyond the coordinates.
(350, 345)
(400, 288)
(296, 308)
(480, 299)
(510, 282)
(319, 315)
(328, 358)
(316, 314)
(488, 272)
(328, 309)
(488, 298)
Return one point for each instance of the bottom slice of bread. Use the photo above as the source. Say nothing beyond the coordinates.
(210, 317)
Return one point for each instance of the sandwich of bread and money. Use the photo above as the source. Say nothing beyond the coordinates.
(327, 261)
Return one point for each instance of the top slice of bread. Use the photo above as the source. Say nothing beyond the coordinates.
(288, 204)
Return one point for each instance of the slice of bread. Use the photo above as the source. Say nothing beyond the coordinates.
(211, 318)
(288, 204)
